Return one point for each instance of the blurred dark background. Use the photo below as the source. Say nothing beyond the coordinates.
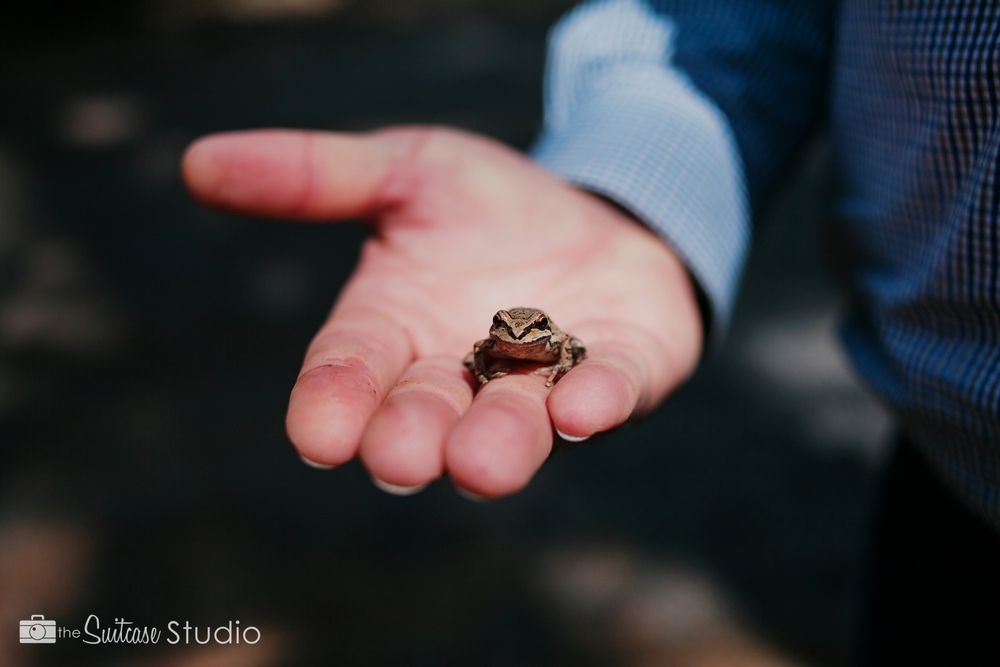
(147, 347)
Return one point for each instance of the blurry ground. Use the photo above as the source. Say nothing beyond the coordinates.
(147, 347)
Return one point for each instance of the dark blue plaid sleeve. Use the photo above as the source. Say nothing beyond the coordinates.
(765, 63)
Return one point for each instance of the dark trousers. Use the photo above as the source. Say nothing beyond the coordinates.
(934, 584)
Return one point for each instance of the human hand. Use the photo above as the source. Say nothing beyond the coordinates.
(462, 228)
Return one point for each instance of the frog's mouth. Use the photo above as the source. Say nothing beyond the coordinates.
(535, 351)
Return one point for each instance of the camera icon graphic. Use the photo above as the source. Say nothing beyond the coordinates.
(38, 631)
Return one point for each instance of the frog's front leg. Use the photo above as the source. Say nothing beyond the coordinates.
(477, 362)
(571, 352)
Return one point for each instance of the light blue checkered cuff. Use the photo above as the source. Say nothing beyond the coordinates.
(671, 161)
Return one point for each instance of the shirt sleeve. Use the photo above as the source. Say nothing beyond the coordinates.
(687, 149)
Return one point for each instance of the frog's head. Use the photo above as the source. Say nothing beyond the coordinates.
(521, 325)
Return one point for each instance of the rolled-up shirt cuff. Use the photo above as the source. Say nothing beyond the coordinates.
(669, 158)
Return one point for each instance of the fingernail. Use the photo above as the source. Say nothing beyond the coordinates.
(469, 495)
(398, 490)
(572, 438)
(313, 464)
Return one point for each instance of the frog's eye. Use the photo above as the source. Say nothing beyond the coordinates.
(497, 320)
(543, 321)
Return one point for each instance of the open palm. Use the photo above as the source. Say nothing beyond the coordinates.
(462, 228)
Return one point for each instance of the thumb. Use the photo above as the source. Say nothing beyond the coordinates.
(294, 174)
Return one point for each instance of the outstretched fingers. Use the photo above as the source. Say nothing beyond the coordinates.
(429, 425)
(359, 394)
(351, 366)
(403, 446)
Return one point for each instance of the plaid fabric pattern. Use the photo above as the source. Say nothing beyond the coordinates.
(688, 111)
(917, 128)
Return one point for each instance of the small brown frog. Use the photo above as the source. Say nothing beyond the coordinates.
(528, 334)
